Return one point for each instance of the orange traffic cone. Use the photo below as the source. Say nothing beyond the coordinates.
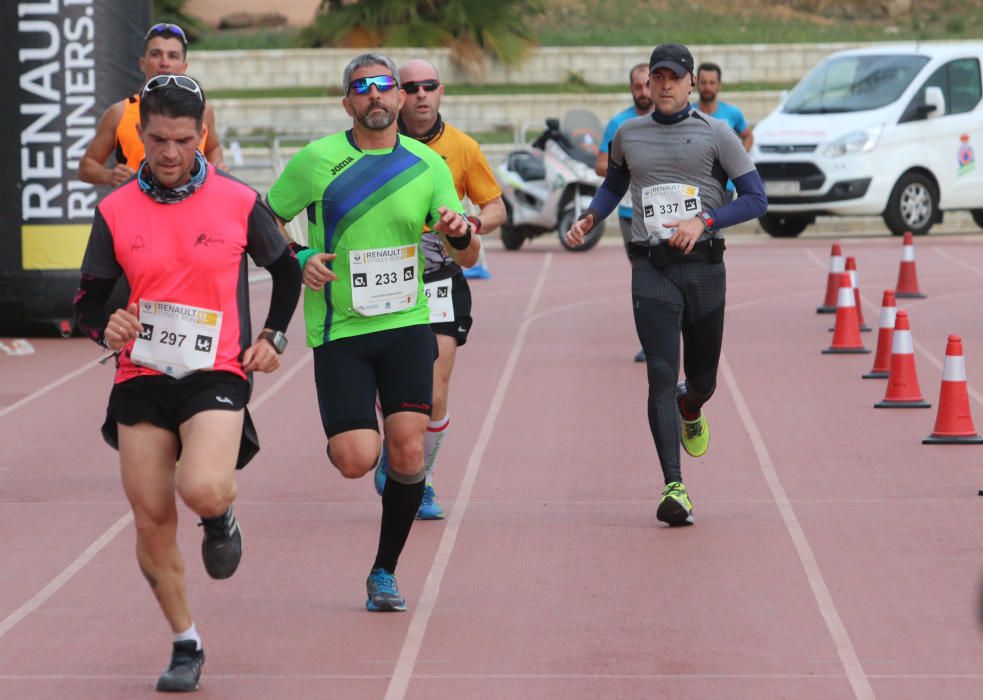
(907, 286)
(954, 423)
(885, 333)
(902, 384)
(851, 269)
(835, 267)
(846, 337)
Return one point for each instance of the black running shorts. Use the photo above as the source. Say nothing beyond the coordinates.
(396, 364)
(461, 325)
(167, 403)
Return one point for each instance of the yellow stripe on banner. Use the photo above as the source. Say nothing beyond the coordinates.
(53, 247)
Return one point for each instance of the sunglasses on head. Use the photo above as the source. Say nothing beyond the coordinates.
(361, 86)
(167, 28)
(181, 81)
(413, 86)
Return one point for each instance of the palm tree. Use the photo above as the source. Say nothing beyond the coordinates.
(472, 29)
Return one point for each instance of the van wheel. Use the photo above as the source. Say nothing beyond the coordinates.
(912, 206)
(978, 217)
(784, 225)
(512, 238)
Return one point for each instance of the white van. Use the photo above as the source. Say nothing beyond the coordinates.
(890, 130)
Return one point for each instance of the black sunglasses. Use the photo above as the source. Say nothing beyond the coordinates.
(413, 86)
(166, 28)
(181, 81)
(361, 86)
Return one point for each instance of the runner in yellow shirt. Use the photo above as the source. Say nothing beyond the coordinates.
(450, 296)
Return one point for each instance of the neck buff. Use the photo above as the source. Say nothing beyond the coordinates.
(165, 195)
(432, 134)
(671, 118)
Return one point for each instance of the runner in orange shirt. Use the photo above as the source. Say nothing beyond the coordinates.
(165, 51)
(448, 291)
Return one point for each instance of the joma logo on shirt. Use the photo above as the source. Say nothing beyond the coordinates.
(342, 165)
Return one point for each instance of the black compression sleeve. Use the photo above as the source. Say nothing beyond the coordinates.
(90, 305)
(286, 290)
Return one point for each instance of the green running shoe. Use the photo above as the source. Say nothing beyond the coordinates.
(675, 508)
(695, 435)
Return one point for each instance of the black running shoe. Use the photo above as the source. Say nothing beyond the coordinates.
(183, 674)
(221, 547)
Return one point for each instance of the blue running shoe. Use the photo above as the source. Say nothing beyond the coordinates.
(381, 469)
(429, 508)
(477, 272)
(383, 593)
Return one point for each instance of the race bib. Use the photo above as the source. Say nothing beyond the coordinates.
(176, 339)
(672, 202)
(383, 280)
(441, 302)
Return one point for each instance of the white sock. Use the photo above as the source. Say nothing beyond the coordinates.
(190, 633)
(436, 432)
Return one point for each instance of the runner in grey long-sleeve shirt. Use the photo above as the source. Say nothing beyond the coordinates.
(676, 163)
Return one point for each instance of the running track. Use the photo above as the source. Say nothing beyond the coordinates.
(834, 555)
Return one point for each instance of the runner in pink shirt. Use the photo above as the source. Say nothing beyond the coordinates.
(180, 231)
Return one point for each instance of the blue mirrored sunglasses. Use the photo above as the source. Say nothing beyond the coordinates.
(167, 28)
(384, 83)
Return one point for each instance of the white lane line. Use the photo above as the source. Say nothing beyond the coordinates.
(410, 650)
(61, 579)
(48, 387)
(956, 261)
(93, 549)
(841, 639)
(815, 258)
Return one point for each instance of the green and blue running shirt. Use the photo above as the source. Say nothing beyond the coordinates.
(369, 209)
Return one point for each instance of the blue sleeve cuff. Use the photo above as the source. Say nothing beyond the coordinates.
(611, 191)
(751, 202)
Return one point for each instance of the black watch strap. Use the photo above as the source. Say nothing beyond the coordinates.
(275, 338)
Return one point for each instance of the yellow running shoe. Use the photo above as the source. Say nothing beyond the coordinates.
(675, 508)
(695, 435)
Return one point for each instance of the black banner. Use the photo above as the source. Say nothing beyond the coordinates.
(67, 62)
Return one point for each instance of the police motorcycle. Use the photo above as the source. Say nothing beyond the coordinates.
(547, 185)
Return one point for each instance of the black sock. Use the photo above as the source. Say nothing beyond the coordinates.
(400, 502)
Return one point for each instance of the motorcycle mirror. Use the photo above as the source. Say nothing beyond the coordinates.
(553, 124)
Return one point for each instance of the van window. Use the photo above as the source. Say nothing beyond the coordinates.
(959, 81)
(964, 82)
(854, 84)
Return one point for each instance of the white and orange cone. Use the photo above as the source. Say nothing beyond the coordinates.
(954, 422)
(846, 337)
(902, 384)
(851, 269)
(834, 269)
(885, 334)
(907, 286)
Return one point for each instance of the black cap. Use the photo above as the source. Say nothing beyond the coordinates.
(676, 57)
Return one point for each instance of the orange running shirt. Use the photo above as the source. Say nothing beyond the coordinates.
(129, 147)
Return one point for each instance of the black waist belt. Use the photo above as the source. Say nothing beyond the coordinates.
(707, 251)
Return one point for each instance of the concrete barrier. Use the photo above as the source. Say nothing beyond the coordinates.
(781, 63)
(309, 115)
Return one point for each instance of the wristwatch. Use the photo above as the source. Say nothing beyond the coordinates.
(709, 224)
(476, 222)
(277, 339)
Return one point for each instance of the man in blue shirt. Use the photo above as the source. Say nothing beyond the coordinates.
(638, 78)
(708, 82)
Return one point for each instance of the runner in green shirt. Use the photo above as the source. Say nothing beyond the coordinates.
(368, 194)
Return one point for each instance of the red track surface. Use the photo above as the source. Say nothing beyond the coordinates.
(834, 555)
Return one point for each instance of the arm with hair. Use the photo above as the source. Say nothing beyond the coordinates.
(213, 144)
(92, 167)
